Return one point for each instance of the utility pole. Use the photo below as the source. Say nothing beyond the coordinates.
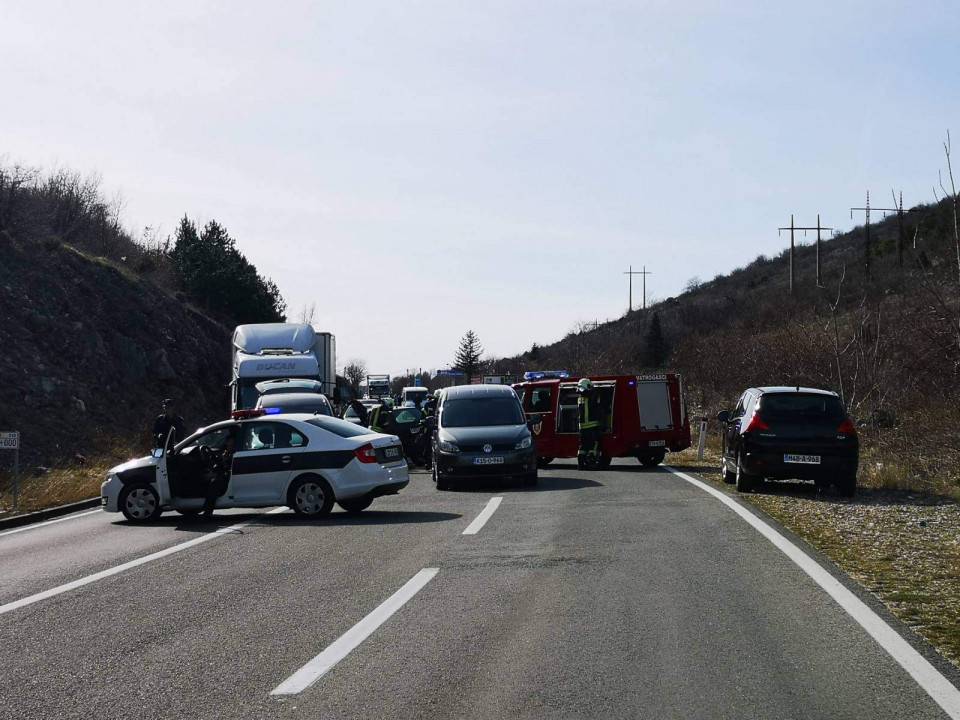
(631, 273)
(899, 211)
(794, 228)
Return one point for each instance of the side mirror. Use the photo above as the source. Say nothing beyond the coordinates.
(723, 416)
(534, 420)
(157, 453)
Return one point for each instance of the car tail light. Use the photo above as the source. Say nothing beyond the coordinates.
(847, 428)
(756, 423)
(366, 454)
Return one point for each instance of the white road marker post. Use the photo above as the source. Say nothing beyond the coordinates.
(702, 440)
(10, 440)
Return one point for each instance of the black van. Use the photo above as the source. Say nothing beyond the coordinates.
(787, 433)
(482, 433)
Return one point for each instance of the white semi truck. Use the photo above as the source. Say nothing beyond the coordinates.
(269, 351)
(378, 386)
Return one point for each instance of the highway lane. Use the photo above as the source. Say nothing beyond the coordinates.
(622, 593)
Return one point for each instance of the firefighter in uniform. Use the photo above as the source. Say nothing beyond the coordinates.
(380, 417)
(588, 457)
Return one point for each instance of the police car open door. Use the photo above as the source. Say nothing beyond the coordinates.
(163, 476)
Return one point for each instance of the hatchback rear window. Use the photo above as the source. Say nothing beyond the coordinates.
(797, 405)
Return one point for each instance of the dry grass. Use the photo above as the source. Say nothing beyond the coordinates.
(66, 483)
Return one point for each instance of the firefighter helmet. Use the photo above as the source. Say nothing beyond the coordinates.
(584, 385)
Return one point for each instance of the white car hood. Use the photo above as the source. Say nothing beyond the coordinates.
(147, 461)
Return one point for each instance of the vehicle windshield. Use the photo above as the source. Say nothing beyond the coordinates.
(481, 412)
(417, 396)
(339, 427)
(786, 406)
(407, 416)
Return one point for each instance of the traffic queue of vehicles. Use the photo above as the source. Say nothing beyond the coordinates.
(282, 445)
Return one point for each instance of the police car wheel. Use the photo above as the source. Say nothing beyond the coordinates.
(310, 496)
(356, 505)
(139, 503)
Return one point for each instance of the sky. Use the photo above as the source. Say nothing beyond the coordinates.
(418, 169)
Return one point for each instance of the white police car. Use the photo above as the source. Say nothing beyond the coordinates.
(306, 462)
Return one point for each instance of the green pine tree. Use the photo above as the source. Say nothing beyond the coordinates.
(468, 355)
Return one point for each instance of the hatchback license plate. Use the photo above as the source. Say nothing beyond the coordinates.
(802, 459)
(488, 461)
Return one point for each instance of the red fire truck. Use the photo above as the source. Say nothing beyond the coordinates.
(646, 415)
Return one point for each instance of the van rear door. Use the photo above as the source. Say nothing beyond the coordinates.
(653, 397)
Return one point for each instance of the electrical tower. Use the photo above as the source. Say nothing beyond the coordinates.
(630, 273)
(792, 229)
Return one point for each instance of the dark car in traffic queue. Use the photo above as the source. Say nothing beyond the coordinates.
(790, 433)
(481, 434)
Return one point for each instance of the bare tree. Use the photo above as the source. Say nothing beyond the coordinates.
(308, 313)
(355, 372)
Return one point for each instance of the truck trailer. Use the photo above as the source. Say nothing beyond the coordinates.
(270, 351)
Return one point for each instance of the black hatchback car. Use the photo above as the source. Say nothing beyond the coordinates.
(785, 433)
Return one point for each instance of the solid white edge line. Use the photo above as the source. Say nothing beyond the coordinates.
(938, 687)
(481, 519)
(346, 643)
(117, 569)
(34, 526)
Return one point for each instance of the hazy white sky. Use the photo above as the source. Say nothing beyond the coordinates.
(421, 168)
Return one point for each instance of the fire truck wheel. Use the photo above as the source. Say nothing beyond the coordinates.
(542, 462)
(651, 460)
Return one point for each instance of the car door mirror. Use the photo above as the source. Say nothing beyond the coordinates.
(157, 453)
(723, 416)
(534, 420)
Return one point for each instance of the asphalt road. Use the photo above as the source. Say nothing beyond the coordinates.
(625, 593)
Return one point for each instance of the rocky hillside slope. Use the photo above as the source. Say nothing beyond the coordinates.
(88, 348)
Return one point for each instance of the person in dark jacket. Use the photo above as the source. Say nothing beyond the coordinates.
(168, 421)
(361, 410)
(218, 478)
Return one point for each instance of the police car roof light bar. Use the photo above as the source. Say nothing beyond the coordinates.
(546, 375)
(245, 414)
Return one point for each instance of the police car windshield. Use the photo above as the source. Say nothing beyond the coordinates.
(481, 412)
(339, 427)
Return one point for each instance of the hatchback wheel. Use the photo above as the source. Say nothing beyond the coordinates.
(310, 496)
(139, 503)
(745, 482)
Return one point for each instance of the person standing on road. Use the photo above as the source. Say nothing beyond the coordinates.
(168, 421)
(219, 478)
(588, 456)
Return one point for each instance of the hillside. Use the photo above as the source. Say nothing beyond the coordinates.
(97, 327)
(888, 342)
(90, 349)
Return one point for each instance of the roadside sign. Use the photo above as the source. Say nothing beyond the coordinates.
(450, 373)
(10, 440)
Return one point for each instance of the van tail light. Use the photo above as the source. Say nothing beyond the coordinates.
(756, 423)
(366, 453)
(847, 428)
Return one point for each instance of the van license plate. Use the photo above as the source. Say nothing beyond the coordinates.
(802, 459)
(656, 443)
(488, 461)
